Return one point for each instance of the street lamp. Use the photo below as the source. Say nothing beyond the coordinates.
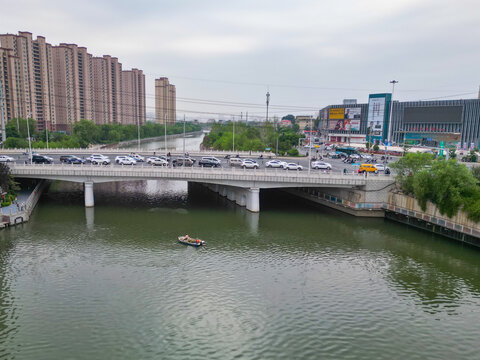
(29, 140)
(268, 102)
(165, 137)
(393, 82)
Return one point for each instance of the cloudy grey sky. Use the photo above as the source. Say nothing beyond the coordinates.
(308, 54)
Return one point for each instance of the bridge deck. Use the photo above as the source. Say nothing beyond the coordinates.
(261, 178)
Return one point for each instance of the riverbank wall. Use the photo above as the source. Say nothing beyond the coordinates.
(22, 214)
(405, 209)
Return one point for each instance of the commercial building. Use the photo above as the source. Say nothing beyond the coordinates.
(430, 123)
(60, 85)
(165, 102)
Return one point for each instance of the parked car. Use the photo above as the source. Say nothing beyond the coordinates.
(235, 161)
(125, 160)
(249, 164)
(293, 166)
(5, 158)
(382, 167)
(183, 162)
(367, 168)
(74, 160)
(159, 162)
(321, 165)
(97, 159)
(150, 159)
(275, 164)
(205, 162)
(41, 159)
(136, 157)
(209, 161)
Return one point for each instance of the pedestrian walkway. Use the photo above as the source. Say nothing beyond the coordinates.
(22, 198)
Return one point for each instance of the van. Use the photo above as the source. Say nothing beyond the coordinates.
(235, 161)
(367, 168)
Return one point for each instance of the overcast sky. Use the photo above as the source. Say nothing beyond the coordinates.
(308, 54)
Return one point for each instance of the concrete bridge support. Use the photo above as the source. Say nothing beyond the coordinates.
(253, 199)
(88, 190)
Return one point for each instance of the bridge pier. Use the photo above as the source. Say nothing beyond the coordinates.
(88, 192)
(253, 199)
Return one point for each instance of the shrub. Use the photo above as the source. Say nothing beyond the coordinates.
(292, 152)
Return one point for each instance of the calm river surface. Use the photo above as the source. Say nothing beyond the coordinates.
(293, 282)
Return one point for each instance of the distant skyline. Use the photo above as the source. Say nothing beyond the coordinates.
(224, 56)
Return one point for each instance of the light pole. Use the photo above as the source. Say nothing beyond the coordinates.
(393, 82)
(310, 146)
(184, 139)
(138, 132)
(268, 102)
(233, 122)
(29, 141)
(165, 137)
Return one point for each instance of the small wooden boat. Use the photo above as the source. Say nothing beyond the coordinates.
(187, 240)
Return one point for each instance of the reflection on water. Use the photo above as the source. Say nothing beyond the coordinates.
(293, 281)
(192, 143)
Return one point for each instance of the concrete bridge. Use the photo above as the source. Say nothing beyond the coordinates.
(239, 185)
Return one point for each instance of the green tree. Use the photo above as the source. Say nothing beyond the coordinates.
(86, 132)
(447, 184)
(408, 166)
(289, 117)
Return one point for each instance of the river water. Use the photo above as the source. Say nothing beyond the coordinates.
(292, 282)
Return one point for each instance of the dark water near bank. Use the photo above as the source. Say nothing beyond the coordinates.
(293, 282)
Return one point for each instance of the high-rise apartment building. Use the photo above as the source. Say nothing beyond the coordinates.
(35, 72)
(133, 97)
(165, 101)
(60, 85)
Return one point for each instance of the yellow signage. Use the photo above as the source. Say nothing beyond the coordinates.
(337, 114)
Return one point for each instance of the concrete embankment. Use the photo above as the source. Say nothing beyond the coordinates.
(405, 209)
(17, 215)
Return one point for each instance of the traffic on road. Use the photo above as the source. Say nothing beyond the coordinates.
(334, 162)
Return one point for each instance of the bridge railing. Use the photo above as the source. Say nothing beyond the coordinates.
(129, 170)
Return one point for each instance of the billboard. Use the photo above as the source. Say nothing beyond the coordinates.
(336, 114)
(352, 119)
(376, 115)
(336, 124)
(433, 114)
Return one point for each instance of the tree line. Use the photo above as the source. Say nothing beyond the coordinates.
(449, 185)
(252, 137)
(84, 133)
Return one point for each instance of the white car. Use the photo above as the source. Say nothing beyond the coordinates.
(150, 159)
(159, 162)
(137, 158)
(5, 158)
(293, 166)
(354, 156)
(381, 167)
(366, 156)
(275, 164)
(321, 165)
(125, 160)
(97, 159)
(249, 164)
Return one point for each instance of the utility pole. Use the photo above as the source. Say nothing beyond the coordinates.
(233, 122)
(46, 133)
(2, 116)
(268, 102)
(393, 82)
